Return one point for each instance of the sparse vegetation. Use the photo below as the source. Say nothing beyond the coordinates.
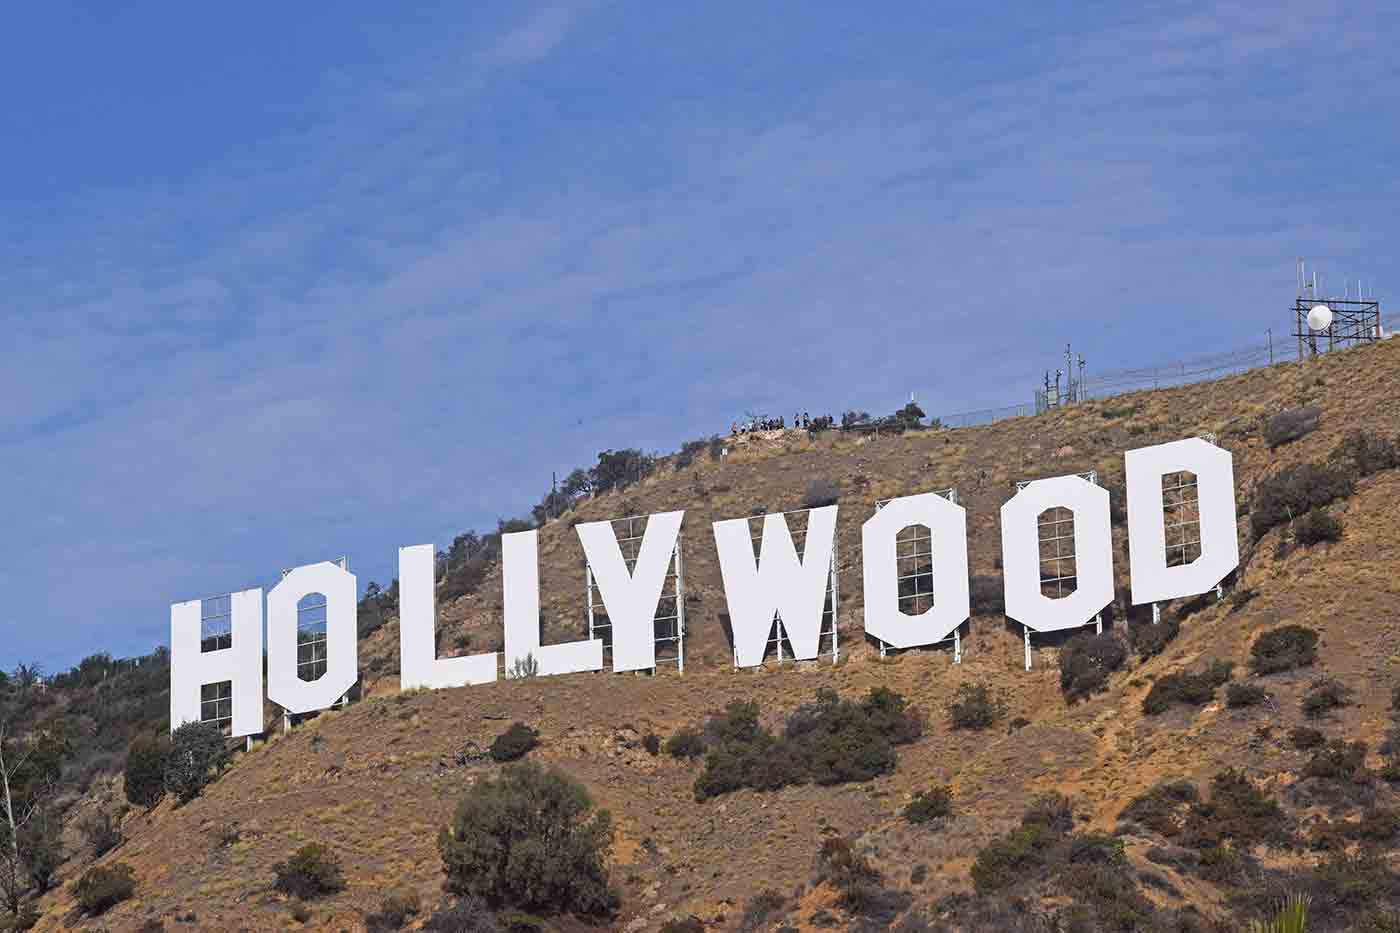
(515, 743)
(530, 839)
(312, 871)
(1283, 649)
(976, 707)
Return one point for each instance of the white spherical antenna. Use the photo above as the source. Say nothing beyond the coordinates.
(1320, 317)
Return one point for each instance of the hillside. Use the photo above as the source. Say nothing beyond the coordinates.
(377, 780)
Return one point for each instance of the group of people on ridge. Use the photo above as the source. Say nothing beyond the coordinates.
(804, 421)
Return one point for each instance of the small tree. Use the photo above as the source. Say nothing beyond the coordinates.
(529, 839)
(197, 752)
(145, 771)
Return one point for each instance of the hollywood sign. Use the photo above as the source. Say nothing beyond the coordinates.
(779, 583)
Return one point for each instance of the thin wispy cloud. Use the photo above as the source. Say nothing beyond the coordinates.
(489, 244)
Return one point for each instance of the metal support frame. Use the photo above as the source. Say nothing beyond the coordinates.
(832, 606)
(669, 623)
(1057, 538)
(909, 560)
(1354, 320)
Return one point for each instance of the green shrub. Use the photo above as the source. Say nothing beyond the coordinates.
(1163, 808)
(1288, 426)
(27, 917)
(1305, 737)
(1185, 689)
(1150, 640)
(848, 872)
(829, 741)
(1366, 453)
(821, 492)
(1283, 649)
(1238, 696)
(103, 887)
(987, 595)
(759, 908)
(1315, 527)
(101, 831)
(1324, 695)
(198, 752)
(686, 743)
(927, 806)
(144, 782)
(1339, 761)
(1008, 860)
(1086, 661)
(1294, 491)
(312, 871)
(515, 743)
(1236, 811)
(466, 915)
(652, 743)
(394, 911)
(976, 707)
(529, 839)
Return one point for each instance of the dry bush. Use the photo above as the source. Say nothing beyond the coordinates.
(1086, 661)
(1283, 649)
(1288, 426)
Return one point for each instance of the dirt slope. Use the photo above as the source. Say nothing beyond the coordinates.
(376, 781)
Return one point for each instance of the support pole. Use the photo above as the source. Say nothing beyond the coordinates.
(1156, 613)
(680, 610)
(957, 645)
(835, 601)
(1098, 624)
(1027, 630)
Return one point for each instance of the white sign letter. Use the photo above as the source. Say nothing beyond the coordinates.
(631, 598)
(419, 665)
(1093, 553)
(240, 663)
(520, 579)
(284, 687)
(951, 604)
(781, 583)
(1153, 581)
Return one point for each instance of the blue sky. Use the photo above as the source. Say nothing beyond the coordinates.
(285, 282)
